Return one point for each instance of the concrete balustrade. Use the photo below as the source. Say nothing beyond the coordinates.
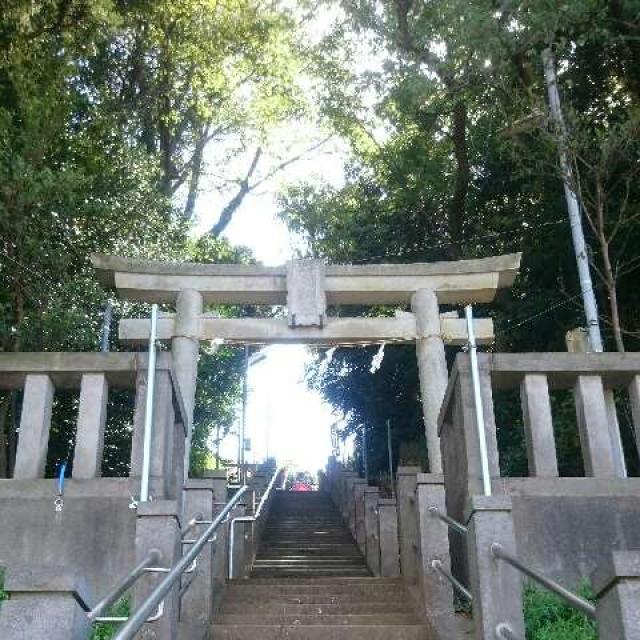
(94, 374)
(565, 526)
(94, 533)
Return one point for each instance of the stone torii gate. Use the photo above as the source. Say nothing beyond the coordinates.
(307, 287)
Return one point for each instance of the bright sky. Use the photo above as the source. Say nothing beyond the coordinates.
(285, 418)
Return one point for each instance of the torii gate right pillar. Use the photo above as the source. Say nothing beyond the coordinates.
(432, 368)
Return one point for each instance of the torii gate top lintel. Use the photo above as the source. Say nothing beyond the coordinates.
(455, 282)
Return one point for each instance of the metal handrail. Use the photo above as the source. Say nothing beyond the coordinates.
(448, 520)
(194, 522)
(437, 566)
(253, 518)
(148, 410)
(134, 623)
(153, 557)
(498, 551)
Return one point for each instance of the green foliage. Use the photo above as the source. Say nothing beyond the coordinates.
(101, 631)
(461, 162)
(3, 593)
(105, 112)
(547, 617)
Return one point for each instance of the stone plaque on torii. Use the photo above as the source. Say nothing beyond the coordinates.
(307, 287)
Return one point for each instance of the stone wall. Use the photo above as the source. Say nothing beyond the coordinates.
(94, 534)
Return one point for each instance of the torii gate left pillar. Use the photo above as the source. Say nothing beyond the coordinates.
(185, 347)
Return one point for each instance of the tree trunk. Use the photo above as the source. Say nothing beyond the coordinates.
(458, 203)
(232, 206)
(609, 276)
(196, 172)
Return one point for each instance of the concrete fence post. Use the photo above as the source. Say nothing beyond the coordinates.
(158, 527)
(240, 534)
(593, 426)
(351, 497)
(634, 401)
(433, 534)
(538, 426)
(406, 486)
(496, 586)
(35, 424)
(358, 496)
(92, 418)
(220, 569)
(347, 482)
(388, 537)
(617, 587)
(371, 496)
(43, 604)
(196, 607)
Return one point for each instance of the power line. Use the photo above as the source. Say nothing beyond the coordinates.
(465, 241)
(568, 300)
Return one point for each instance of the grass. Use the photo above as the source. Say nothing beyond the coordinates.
(103, 631)
(3, 593)
(547, 617)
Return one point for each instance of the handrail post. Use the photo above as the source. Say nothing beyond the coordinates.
(496, 586)
(479, 407)
(158, 526)
(433, 539)
(196, 606)
(148, 415)
(237, 552)
(617, 586)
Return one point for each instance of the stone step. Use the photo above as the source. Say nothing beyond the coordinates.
(305, 571)
(319, 632)
(392, 600)
(299, 587)
(310, 557)
(323, 619)
(341, 585)
(284, 608)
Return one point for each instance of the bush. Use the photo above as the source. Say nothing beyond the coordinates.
(547, 617)
(107, 631)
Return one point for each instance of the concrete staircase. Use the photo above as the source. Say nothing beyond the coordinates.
(310, 582)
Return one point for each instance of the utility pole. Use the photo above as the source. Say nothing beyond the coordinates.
(218, 446)
(575, 219)
(365, 457)
(243, 423)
